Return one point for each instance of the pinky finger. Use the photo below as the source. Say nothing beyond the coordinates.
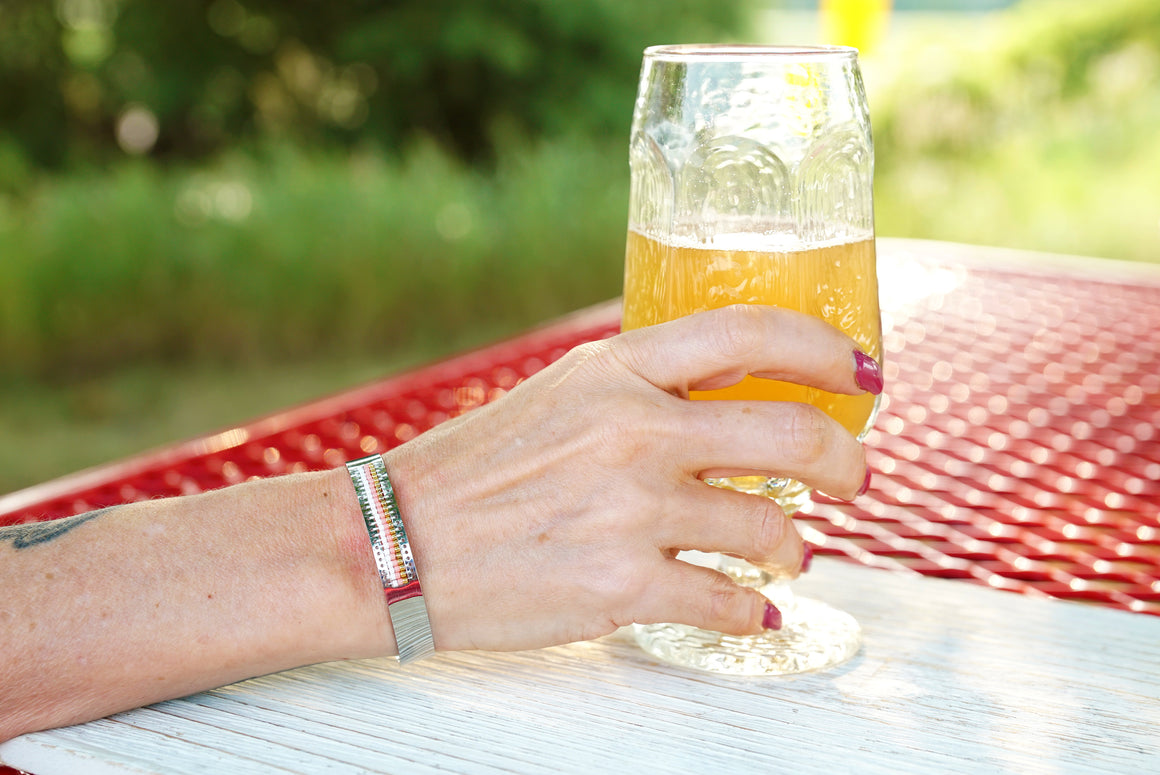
(706, 598)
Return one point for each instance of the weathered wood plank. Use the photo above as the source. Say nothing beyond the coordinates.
(953, 678)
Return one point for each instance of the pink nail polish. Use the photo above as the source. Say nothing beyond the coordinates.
(865, 484)
(771, 620)
(807, 557)
(867, 373)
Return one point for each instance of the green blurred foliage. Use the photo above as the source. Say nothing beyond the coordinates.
(356, 176)
(392, 235)
(324, 191)
(292, 255)
(1041, 134)
(213, 74)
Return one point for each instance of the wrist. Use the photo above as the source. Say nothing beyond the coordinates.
(357, 594)
(391, 550)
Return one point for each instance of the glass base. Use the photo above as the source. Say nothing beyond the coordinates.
(814, 636)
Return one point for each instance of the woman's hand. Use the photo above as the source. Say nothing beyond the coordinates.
(552, 515)
(555, 514)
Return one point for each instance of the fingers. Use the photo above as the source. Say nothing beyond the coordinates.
(712, 519)
(702, 597)
(717, 348)
(773, 438)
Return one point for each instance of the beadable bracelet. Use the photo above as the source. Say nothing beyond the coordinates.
(392, 553)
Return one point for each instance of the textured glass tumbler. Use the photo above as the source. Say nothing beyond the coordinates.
(752, 172)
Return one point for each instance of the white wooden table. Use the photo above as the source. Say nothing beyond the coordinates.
(952, 678)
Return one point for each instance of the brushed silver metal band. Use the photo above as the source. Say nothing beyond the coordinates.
(393, 558)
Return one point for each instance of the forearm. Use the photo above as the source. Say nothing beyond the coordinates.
(554, 514)
(154, 600)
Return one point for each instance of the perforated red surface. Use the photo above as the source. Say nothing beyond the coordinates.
(1018, 445)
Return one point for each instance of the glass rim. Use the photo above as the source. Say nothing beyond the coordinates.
(739, 51)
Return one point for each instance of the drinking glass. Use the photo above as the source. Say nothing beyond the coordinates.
(752, 171)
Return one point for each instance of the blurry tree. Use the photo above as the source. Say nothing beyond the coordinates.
(1056, 57)
(1041, 134)
(81, 78)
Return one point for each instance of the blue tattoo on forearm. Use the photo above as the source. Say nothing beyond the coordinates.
(34, 533)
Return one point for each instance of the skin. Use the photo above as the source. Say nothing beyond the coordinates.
(549, 516)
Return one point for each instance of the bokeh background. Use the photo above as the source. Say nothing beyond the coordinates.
(211, 209)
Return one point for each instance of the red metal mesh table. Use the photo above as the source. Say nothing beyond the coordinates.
(1017, 446)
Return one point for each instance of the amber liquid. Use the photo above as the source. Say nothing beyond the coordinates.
(835, 282)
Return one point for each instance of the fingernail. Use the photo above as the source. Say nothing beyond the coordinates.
(867, 373)
(772, 618)
(865, 484)
(807, 557)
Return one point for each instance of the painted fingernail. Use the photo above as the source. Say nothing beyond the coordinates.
(867, 373)
(807, 557)
(865, 484)
(772, 618)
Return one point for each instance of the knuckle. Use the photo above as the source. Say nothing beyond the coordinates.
(616, 355)
(861, 463)
(721, 601)
(619, 436)
(808, 434)
(614, 583)
(629, 429)
(738, 333)
(769, 528)
(858, 472)
(730, 608)
(617, 590)
(600, 360)
(590, 354)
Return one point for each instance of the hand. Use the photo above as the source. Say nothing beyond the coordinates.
(555, 514)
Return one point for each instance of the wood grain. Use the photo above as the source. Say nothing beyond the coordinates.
(952, 678)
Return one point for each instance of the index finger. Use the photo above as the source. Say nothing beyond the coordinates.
(717, 348)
